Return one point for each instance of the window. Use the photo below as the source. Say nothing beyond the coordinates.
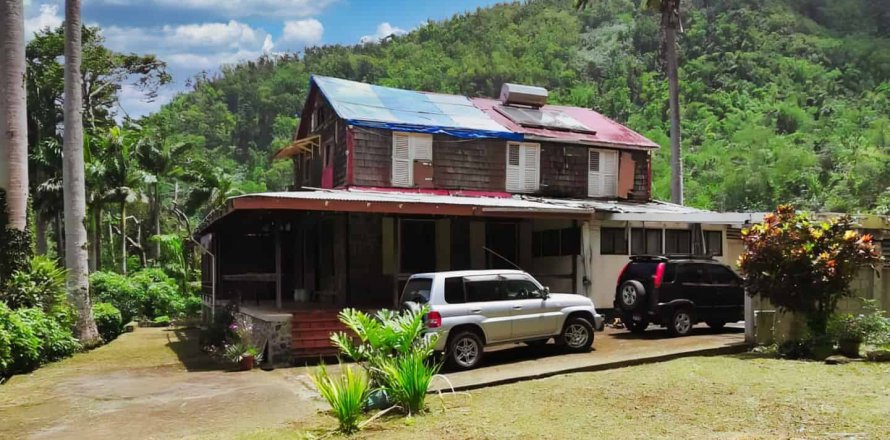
(407, 148)
(602, 173)
(485, 290)
(417, 290)
(523, 167)
(691, 274)
(454, 290)
(613, 241)
(721, 275)
(328, 154)
(556, 242)
(714, 242)
(307, 169)
(522, 289)
(677, 241)
(645, 241)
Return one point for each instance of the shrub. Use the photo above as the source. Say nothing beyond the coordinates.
(162, 321)
(804, 266)
(56, 341)
(40, 284)
(109, 320)
(394, 351)
(22, 345)
(346, 394)
(162, 299)
(869, 326)
(120, 291)
(242, 341)
(191, 306)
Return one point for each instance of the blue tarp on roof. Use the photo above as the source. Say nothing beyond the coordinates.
(367, 105)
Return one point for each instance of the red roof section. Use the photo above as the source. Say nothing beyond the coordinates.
(608, 133)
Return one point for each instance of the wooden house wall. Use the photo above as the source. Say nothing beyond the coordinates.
(563, 170)
(372, 157)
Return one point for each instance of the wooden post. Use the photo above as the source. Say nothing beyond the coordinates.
(278, 283)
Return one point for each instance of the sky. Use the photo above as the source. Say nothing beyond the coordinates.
(200, 35)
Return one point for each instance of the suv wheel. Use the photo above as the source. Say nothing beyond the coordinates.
(681, 322)
(465, 350)
(577, 335)
(631, 294)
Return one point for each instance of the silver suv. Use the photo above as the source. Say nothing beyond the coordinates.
(474, 309)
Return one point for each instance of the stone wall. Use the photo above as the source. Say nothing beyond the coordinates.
(274, 329)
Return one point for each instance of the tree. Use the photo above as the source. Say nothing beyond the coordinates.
(13, 122)
(670, 25)
(161, 160)
(802, 265)
(74, 182)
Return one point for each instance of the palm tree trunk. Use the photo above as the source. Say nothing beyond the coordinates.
(670, 24)
(123, 226)
(60, 236)
(73, 177)
(96, 240)
(156, 220)
(13, 113)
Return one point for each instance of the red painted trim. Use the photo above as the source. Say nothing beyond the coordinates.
(434, 191)
(350, 159)
(267, 203)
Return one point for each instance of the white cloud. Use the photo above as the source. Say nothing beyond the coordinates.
(298, 34)
(47, 16)
(383, 30)
(240, 8)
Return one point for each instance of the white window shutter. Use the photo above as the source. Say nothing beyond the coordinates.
(514, 170)
(402, 166)
(594, 176)
(531, 173)
(610, 173)
(422, 147)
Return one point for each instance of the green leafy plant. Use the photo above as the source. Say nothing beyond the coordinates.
(120, 291)
(346, 393)
(805, 266)
(109, 320)
(868, 326)
(55, 340)
(242, 342)
(394, 350)
(162, 321)
(19, 347)
(40, 284)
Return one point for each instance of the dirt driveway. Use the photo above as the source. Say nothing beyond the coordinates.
(150, 384)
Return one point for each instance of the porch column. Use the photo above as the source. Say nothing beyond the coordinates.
(278, 284)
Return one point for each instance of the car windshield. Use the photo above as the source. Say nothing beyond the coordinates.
(417, 290)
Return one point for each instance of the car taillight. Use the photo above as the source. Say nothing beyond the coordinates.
(433, 320)
(621, 275)
(659, 275)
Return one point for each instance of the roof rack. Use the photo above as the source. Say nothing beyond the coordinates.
(666, 257)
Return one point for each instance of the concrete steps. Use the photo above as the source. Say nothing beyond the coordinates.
(311, 334)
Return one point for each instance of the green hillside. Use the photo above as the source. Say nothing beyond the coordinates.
(782, 100)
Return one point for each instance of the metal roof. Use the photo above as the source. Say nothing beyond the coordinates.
(602, 130)
(375, 106)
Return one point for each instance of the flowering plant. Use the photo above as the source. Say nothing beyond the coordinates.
(802, 265)
(243, 343)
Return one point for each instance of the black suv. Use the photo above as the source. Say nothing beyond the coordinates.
(678, 291)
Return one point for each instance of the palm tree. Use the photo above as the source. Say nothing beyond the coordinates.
(670, 26)
(160, 160)
(13, 113)
(74, 181)
(46, 195)
(210, 188)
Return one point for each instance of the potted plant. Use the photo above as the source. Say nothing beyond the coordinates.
(242, 349)
(848, 331)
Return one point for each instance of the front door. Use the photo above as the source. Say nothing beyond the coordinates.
(533, 316)
(487, 297)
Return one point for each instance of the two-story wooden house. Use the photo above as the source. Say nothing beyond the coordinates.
(391, 182)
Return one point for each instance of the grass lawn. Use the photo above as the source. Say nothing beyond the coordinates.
(701, 397)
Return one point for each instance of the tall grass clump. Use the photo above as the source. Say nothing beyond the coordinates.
(346, 393)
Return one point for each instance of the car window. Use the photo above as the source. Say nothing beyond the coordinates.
(487, 290)
(522, 289)
(670, 273)
(454, 290)
(691, 273)
(721, 275)
(417, 290)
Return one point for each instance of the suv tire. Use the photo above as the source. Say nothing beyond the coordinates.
(464, 350)
(577, 335)
(631, 295)
(681, 322)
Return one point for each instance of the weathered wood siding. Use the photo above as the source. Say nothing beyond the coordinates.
(469, 164)
(641, 191)
(563, 170)
(372, 157)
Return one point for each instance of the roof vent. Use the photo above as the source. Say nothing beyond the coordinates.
(518, 94)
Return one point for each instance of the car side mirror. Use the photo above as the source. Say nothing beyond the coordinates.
(546, 292)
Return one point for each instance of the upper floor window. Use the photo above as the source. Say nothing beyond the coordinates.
(714, 243)
(602, 173)
(613, 241)
(523, 167)
(645, 241)
(406, 149)
(677, 241)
